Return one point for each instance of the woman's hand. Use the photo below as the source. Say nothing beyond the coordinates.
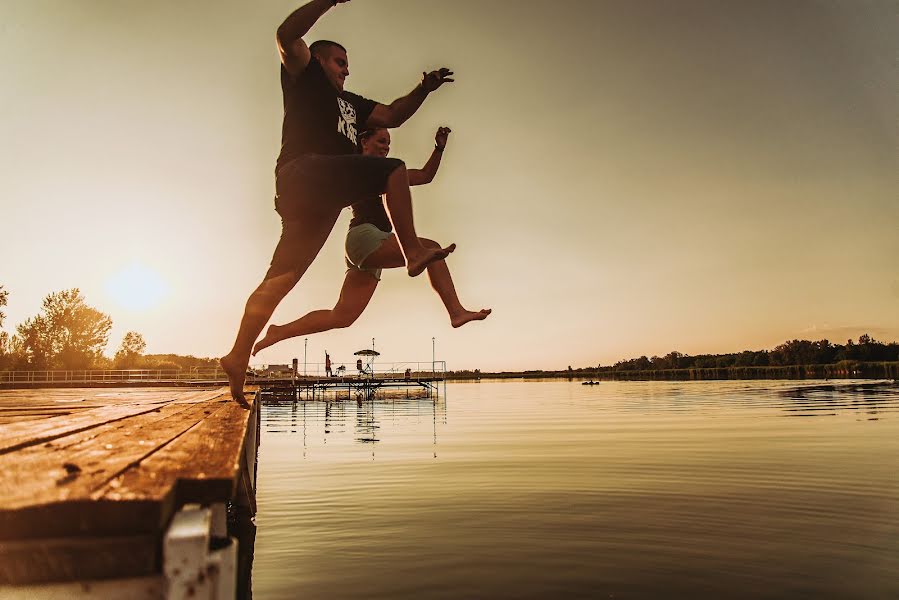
(441, 138)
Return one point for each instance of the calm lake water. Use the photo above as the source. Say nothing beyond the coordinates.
(772, 489)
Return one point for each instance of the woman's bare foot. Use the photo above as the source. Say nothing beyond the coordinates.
(272, 336)
(237, 375)
(460, 319)
(417, 263)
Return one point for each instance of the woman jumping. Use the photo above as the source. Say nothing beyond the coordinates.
(370, 247)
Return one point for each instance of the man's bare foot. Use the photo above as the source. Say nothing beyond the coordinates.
(465, 316)
(237, 375)
(417, 263)
(272, 336)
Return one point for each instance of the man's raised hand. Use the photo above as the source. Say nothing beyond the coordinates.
(433, 80)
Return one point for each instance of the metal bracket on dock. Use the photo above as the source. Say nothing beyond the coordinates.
(198, 563)
(195, 564)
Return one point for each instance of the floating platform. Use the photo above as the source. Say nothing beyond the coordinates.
(389, 375)
(348, 387)
(123, 490)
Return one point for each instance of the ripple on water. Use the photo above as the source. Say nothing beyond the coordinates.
(637, 490)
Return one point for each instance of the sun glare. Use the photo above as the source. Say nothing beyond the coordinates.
(136, 288)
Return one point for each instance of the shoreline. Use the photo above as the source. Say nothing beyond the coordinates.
(854, 370)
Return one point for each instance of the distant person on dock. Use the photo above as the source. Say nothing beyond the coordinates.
(370, 247)
(319, 172)
(328, 365)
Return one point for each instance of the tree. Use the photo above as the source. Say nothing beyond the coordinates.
(761, 359)
(67, 334)
(795, 352)
(3, 296)
(673, 360)
(642, 363)
(4, 337)
(131, 351)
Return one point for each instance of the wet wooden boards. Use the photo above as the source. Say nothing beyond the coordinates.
(89, 479)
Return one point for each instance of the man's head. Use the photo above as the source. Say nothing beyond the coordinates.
(334, 61)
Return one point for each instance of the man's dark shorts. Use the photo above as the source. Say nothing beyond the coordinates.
(312, 182)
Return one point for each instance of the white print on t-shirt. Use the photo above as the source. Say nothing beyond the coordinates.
(346, 122)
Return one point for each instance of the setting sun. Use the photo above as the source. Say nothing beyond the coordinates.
(136, 287)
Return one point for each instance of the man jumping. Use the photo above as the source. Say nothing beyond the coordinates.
(318, 171)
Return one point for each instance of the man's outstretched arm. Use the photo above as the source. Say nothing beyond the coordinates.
(293, 50)
(398, 112)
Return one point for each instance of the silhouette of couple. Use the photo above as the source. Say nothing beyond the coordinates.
(334, 147)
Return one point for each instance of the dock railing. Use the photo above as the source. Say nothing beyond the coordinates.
(215, 375)
(112, 376)
(377, 370)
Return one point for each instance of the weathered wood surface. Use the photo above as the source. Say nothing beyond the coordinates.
(77, 558)
(29, 430)
(110, 466)
(209, 455)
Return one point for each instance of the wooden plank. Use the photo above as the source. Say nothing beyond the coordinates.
(5, 420)
(74, 396)
(107, 385)
(151, 587)
(50, 560)
(89, 494)
(70, 464)
(85, 518)
(24, 411)
(43, 479)
(32, 432)
(81, 399)
(203, 465)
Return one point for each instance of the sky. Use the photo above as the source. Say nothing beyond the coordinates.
(623, 178)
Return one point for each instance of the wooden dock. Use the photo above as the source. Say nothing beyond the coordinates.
(312, 388)
(386, 375)
(123, 490)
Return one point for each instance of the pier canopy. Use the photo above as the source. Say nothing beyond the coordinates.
(367, 352)
(369, 355)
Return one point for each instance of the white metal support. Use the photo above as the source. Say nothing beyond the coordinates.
(190, 567)
(219, 525)
(199, 563)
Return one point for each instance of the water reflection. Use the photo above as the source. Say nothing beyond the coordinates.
(242, 528)
(869, 399)
(553, 489)
(332, 418)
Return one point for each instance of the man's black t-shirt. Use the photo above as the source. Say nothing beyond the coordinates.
(319, 119)
(371, 211)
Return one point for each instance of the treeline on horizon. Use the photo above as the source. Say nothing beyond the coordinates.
(68, 334)
(866, 357)
(793, 352)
